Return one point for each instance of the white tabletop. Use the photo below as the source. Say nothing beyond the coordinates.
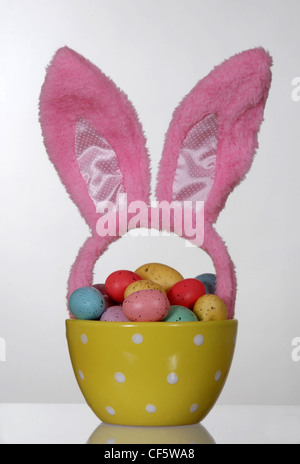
(77, 424)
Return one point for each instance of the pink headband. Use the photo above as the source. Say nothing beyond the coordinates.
(95, 140)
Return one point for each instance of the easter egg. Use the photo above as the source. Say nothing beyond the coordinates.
(186, 292)
(114, 314)
(108, 301)
(209, 282)
(117, 282)
(162, 274)
(146, 306)
(210, 308)
(180, 314)
(142, 285)
(86, 303)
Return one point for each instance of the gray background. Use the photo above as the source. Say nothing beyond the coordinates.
(155, 51)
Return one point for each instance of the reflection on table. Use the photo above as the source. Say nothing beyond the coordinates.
(117, 434)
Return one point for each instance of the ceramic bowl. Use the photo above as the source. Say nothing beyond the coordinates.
(152, 373)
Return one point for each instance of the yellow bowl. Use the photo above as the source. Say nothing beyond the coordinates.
(151, 373)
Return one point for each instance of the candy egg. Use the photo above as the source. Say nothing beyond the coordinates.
(117, 282)
(142, 285)
(114, 314)
(186, 292)
(108, 301)
(209, 282)
(146, 306)
(210, 308)
(180, 314)
(162, 274)
(86, 303)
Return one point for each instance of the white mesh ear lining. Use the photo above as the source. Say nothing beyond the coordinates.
(196, 166)
(98, 164)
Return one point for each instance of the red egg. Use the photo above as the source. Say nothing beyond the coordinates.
(117, 282)
(186, 292)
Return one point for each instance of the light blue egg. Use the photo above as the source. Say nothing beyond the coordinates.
(179, 313)
(209, 282)
(87, 303)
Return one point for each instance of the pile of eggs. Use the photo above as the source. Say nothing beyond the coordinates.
(153, 293)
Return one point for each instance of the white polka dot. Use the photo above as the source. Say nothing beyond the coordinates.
(218, 376)
(120, 378)
(137, 339)
(80, 373)
(194, 407)
(150, 408)
(172, 378)
(110, 410)
(199, 340)
(84, 339)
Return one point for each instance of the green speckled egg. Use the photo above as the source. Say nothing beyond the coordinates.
(180, 314)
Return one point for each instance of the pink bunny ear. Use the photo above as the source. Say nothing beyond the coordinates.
(95, 141)
(92, 135)
(212, 138)
(210, 145)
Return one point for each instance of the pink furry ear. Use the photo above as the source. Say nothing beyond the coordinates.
(92, 135)
(94, 139)
(212, 138)
(210, 145)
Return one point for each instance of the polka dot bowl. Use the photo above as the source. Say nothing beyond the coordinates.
(153, 373)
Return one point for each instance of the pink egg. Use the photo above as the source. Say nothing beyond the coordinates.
(114, 314)
(146, 306)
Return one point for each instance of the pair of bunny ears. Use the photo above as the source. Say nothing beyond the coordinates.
(94, 139)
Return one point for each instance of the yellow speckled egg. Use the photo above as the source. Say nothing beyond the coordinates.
(143, 285)
(161, 274)
(210, 308)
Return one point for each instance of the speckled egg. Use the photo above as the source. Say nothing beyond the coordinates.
(114, 314)
(180, 314)
(186, 293)
(86, 303)
(146, 306)
(117, 282)
(209, 282)
(143, 285)
(162, 274)
(210, 308)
